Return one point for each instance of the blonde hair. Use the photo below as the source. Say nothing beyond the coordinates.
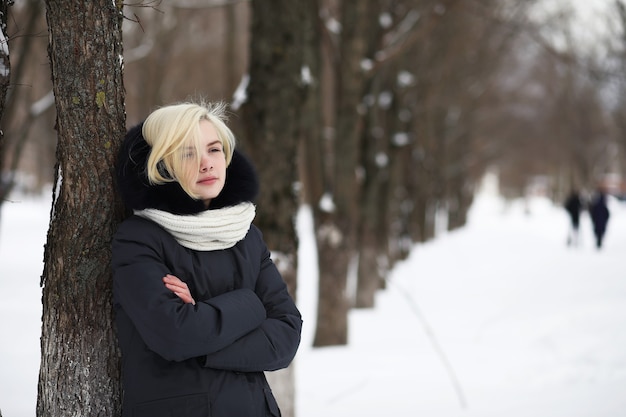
(172, 130)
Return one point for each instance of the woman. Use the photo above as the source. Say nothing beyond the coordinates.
(201, 310)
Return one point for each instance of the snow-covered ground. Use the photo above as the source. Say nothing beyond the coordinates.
(499, 318)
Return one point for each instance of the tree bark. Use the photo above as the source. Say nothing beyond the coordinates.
(5, 78)
(79, 373)
(276, 96)
(337, 228)
(5, 63)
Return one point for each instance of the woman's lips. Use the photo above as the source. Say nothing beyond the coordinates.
(209, 180)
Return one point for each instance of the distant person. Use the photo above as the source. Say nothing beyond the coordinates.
(599, 213)
(573, 206)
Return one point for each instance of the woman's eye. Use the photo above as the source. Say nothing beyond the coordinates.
(215, 150)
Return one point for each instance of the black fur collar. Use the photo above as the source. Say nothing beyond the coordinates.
(241, 185)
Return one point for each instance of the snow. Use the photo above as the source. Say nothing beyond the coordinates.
(405, 79)
(4, 53)
(4, 43)
(306, 76)
(240, 96)
(23, 227)
(326, 203)
(525, 325)
(367, 64)
(43, 104)
(529, 326)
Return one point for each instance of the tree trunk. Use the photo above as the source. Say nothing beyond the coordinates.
(276, 96)
(337, 229)
(5, 77)
(230, 49)
(377, 195)
(369, 271)
(79, 373)
(12, 148)
(5, 63)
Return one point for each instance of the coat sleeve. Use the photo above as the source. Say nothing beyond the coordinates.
(174, 330)
(274, 344)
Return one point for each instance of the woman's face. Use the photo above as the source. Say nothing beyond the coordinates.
(207, 181)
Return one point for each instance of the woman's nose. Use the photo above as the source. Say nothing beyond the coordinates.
(205, 163)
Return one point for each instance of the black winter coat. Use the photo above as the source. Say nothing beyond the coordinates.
(599, 214)
(209, 359)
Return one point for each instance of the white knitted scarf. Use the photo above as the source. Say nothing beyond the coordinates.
(208, 230)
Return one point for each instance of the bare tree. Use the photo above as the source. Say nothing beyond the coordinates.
(336, 226)
(272, 112)
(620, 80)
(5, 63)
(79, 373)
(28, 98)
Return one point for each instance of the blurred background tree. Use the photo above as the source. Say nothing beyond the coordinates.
(5, 63)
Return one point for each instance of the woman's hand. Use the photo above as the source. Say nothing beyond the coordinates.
(179, 288)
